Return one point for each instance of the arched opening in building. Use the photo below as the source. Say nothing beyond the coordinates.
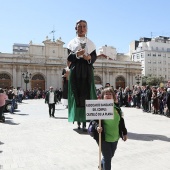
(97, 82)
(38, 82)
(120, 82)
(5, 81)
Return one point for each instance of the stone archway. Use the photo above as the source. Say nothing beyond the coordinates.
(120, 82)
(38, 82)
(5, 81)
(97, 80)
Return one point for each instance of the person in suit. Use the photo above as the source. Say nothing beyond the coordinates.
(51, 99)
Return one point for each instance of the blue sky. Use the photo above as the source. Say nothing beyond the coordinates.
(110, 22)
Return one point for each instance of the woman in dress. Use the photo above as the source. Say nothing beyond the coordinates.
(81, 87)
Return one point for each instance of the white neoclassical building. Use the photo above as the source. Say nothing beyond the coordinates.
(44, 64)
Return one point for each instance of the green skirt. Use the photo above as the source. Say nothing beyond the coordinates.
(78, 113)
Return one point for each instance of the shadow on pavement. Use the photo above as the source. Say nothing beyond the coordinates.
(60, 117)
(16, 112)
(81, 132)
(60, 109)
(22, 103)
(7, 117)
(21, 114)
(147, 137)
(1, 143)
(10, 122)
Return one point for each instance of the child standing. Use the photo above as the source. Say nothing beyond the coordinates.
(111, 130)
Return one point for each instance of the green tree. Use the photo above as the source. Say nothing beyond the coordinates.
(152, 81)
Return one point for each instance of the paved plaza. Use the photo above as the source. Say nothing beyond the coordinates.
(30, 140)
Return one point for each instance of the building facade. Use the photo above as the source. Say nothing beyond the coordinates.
(20, 48)
(154, 55)
(45, 63)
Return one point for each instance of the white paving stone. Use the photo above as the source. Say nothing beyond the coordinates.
(30, 140)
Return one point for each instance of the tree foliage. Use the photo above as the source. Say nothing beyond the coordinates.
(152, 81)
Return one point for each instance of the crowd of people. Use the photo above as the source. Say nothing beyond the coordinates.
(151, 99)
(35, 93)
(17, 95)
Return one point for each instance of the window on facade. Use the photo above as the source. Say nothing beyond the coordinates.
(4, 76)
(159, 55)
(141, 55)
(138, 57)
(156, 48)
(154, 55)
(168, 49)
(162, 49)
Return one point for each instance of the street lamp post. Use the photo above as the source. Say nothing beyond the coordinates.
(138, 78)
(26, 78)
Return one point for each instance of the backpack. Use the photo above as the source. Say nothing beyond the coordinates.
(91, 128)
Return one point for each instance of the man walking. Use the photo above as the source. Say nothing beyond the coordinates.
(51, 99)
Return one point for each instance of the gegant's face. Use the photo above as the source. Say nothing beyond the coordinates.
(81, 29)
